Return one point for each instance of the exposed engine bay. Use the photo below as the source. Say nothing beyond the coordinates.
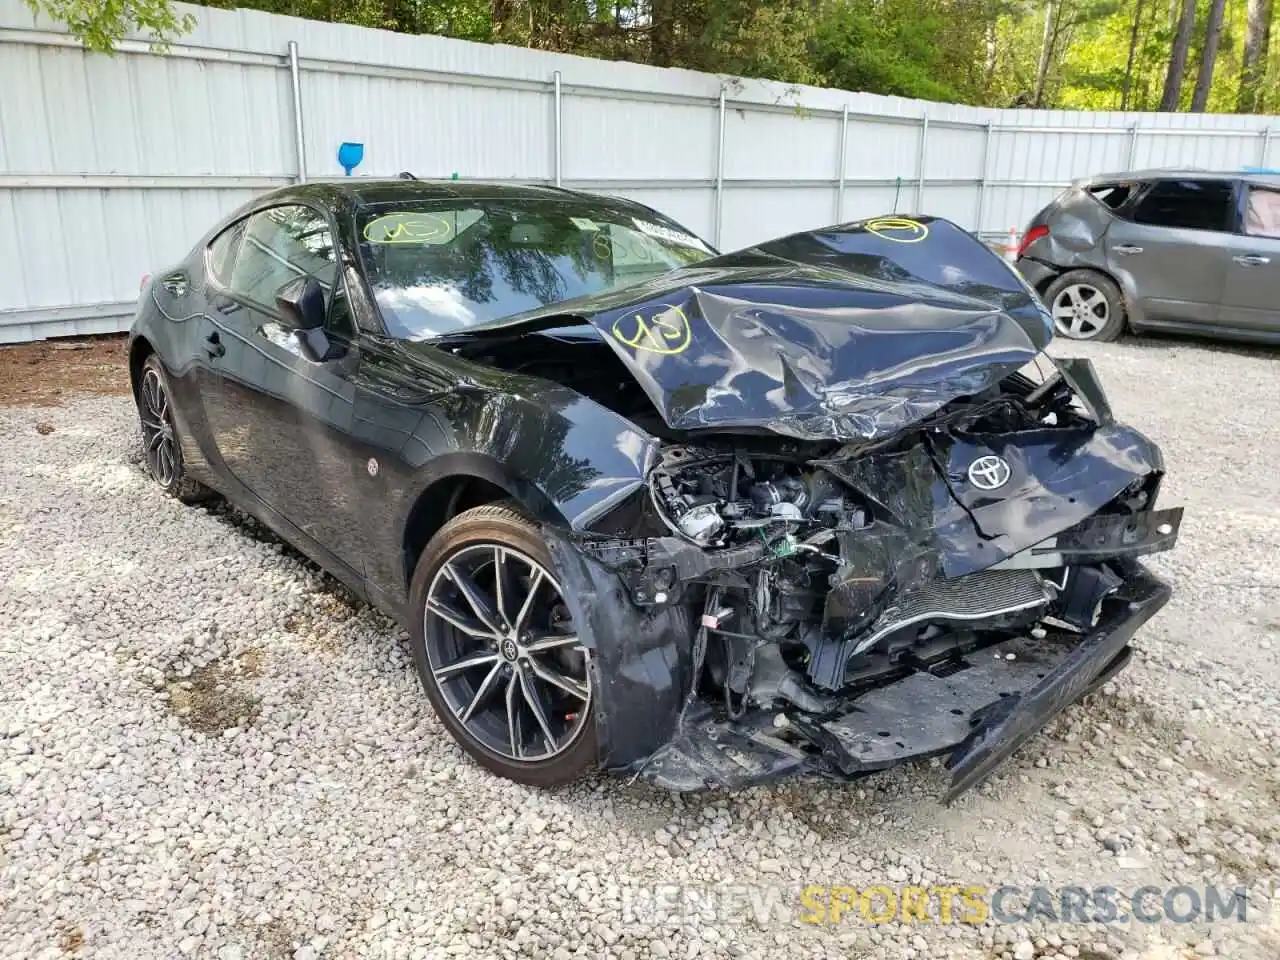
(816, 576)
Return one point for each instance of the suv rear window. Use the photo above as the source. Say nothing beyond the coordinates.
(1111, 195)
(1187, 204)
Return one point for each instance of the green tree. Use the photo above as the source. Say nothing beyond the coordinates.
(1079, 54)
(101, 24)
(1253, 64)
(872, 45)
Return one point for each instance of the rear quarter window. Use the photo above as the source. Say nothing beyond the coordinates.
(221, 254)
(1112, 195)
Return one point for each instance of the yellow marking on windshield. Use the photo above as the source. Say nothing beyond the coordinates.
(666, 332)
(408, 228)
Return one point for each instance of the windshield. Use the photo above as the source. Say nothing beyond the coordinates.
(436, 267)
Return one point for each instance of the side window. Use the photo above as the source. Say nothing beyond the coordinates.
(1262, 219)
(222, 252)
(1112, 195)
(279, 245)
(1188, 204)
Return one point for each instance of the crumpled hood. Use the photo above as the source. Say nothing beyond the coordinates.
(848, 333)
(851, 333)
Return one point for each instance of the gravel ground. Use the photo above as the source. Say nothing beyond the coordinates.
(206, 750)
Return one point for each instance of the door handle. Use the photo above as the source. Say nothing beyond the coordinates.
(1125, 249)
(1252, 260)
(216, 349)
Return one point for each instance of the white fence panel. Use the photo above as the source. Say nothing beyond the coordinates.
(111, 167)
(881, 151)
(752, 215)
(610, 139)
(783, 145)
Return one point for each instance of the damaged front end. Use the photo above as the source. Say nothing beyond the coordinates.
(836, 609)
(876, 522)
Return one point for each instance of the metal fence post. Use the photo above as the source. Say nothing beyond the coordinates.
(844, 147)
(715, 230)
(982, 180)
(299, 140)
(1133, 146)
(1266, 146)
(559, 144)
(924, 139)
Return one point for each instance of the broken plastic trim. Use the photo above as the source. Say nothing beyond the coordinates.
(1141, 595)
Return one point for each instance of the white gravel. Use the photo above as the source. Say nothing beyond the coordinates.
(206, 751)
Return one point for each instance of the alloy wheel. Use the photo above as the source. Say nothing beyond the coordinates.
(502, 651)
(1080, 311)
(159, 440)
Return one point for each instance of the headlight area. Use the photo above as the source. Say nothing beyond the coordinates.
(833, 610)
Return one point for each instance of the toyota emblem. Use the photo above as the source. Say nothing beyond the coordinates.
(989, 472)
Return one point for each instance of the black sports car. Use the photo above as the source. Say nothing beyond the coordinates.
(820, 506)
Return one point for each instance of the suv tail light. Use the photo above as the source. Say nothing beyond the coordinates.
(1030, 237)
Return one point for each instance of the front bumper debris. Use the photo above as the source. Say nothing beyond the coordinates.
(981, 710)
(1091, 663)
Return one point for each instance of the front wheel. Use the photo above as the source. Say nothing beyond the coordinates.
(496, 650)
(1086, 306)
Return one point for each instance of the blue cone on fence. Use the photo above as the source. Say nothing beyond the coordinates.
(350, 155)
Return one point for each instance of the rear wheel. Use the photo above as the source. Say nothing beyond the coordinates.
(497, 652)
(161, 447)
(1086, 305)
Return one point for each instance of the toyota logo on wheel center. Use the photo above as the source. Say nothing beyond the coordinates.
(989, 472)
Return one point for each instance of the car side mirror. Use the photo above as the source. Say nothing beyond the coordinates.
(302, 310)
(301, 304)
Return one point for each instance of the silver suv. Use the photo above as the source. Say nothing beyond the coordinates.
(1173, 250)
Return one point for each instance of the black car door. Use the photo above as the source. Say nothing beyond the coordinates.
(189, 344)
(283, 420)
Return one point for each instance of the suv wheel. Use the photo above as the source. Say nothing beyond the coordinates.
(1086, 306)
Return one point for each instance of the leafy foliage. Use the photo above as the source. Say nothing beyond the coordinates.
(101, 24)
(1083, 54)
(879, 46)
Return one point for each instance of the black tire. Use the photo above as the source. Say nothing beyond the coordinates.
(161, 446)
(465, 536)
(1100, 316)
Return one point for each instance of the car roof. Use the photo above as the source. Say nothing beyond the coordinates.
(1186, 173)
(359, 192)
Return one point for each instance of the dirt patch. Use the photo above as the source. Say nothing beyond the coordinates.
(49, 372)
(72, 940)
(277, 940)
(216, 697)
(250, 662)
(320, 619)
